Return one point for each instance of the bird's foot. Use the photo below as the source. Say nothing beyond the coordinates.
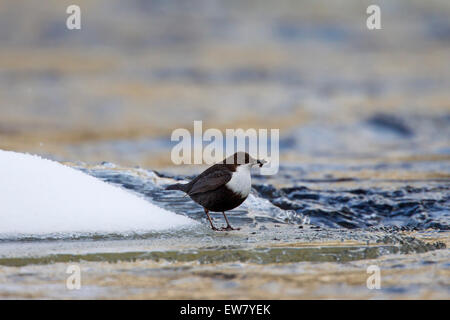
(229, 228)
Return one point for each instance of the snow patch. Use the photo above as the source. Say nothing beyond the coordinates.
(40, 196)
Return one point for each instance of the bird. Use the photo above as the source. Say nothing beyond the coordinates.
(222, 187)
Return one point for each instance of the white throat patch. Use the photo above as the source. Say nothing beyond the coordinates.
(241, 181)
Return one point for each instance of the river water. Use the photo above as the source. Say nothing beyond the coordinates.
(297, 232)
(364, 120)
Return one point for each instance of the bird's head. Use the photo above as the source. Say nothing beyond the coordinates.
(243, 159)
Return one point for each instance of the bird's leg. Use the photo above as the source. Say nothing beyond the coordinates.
(228, 227)
(210, 221)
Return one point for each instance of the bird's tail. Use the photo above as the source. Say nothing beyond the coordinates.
(177, 186)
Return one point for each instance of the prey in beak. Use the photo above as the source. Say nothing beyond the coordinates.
(261, 162)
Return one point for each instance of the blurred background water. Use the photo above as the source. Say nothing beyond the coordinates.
(137, 70)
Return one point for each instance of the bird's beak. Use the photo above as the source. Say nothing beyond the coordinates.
(260, 162)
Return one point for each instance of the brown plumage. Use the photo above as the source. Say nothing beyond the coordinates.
(221, 187)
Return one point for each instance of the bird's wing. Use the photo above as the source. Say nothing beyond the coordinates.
(209, 181)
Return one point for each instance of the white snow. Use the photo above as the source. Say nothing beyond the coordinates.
(40, 196)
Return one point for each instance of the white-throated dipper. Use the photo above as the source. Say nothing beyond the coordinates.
(223, 186)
